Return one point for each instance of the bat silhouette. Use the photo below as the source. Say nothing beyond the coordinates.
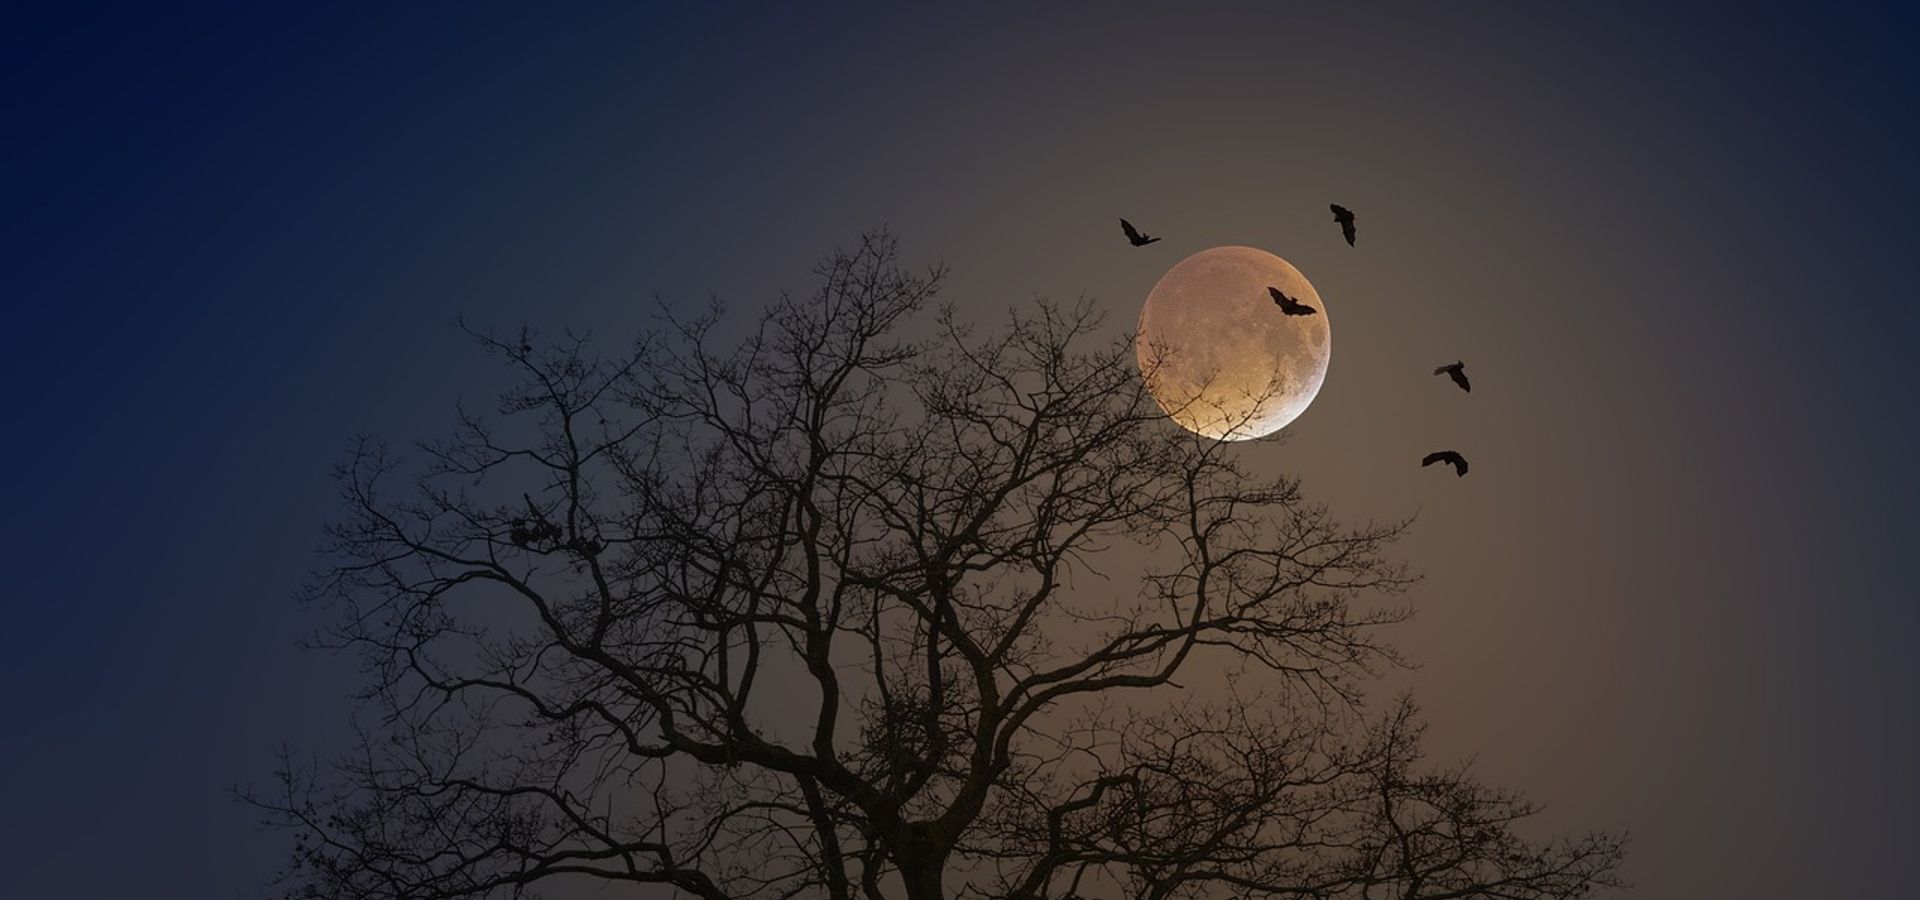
(1453, 458)
(1344, 216)
(1458, 372)
(1289, 305)
(1134, 236)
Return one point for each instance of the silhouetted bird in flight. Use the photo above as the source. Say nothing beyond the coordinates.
(1458, 372)
(1134, 236)
(1344, 216)
(1289, 305)
(1458, 462)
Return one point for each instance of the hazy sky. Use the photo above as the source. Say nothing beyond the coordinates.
(1674, 247)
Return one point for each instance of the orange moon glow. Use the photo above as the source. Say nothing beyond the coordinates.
(1220, 357)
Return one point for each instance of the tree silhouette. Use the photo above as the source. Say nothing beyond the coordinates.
(831, 610)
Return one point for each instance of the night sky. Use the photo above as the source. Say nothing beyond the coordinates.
(1676, 250)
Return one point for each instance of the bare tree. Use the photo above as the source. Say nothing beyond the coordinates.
(828, 611)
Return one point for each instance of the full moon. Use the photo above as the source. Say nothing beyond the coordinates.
(1220, 357)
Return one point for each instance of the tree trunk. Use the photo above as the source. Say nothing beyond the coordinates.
(922, 859)
(923, 882)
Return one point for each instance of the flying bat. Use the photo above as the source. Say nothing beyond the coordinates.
(1134, 236)
(1458, 372)
(1453, 458)
(1289, 305)
(1344, 216)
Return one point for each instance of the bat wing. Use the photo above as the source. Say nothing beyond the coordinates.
(1460, 378)
(1133, 234)
(1432, 458)
(1346, 229)
(1278, 298)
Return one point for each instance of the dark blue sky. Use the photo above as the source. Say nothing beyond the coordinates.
(236, 236)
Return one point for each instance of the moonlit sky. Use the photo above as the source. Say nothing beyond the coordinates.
(1675, 249)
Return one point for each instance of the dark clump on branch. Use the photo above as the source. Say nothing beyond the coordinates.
(843, 608)
(533, 529)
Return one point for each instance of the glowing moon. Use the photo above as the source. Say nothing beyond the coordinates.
(1220, 357)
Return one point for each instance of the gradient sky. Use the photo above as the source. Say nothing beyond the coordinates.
(1674, 246)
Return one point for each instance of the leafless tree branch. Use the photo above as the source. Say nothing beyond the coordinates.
(826, 611)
